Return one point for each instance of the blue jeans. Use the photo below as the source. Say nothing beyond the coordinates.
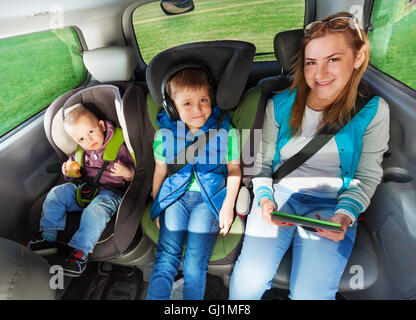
(94, 217)
(189, 220)
(317, 263)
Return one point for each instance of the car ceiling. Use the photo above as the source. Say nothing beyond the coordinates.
(22, 16)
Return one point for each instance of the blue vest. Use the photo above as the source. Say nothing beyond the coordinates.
(349, 139)
(209, 166)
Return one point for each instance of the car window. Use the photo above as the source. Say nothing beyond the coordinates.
(393, 39)
(35, 69)
(253, 21)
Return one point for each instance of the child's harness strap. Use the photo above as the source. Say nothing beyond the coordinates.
(87, 189)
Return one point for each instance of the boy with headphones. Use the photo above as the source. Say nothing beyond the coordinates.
(194, 192)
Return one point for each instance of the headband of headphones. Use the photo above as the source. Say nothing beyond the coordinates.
(167, 102)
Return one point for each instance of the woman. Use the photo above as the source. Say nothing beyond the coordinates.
(335, 184)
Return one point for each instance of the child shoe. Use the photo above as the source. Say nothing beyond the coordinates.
(41, 246)
(75, 264)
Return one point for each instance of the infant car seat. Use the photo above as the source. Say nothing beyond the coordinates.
(229, 63)
(123, 104)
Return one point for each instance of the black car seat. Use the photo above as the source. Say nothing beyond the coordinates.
(286, 45)
(363, 259)
(123, 103)
(24, 274)
(229, 63)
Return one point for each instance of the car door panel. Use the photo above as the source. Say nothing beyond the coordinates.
(29, 167)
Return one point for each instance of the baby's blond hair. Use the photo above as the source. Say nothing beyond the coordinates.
(73, 116)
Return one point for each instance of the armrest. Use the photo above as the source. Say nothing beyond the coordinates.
(242, 206)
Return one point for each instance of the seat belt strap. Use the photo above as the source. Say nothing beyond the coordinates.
(323, 137)
(198, 144)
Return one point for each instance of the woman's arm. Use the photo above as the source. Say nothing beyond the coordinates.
(263, 165)
(356, 198)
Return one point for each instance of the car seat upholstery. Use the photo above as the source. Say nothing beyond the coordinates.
(363, 257)
(123, 103)
(24, 274)
(229, 63)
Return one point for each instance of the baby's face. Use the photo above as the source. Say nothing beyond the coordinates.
(89, 135)
(193, 105)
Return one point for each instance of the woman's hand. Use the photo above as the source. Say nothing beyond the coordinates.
(121, 170)
(267, 206)
(340, 218)
(226, 219)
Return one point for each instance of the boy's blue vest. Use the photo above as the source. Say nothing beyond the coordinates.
(209, 167)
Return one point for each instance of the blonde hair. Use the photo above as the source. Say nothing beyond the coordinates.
(340, 109)
(74, 115)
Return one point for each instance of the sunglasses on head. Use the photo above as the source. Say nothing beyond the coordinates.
(335, 24)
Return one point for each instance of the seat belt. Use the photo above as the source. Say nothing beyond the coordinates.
(198, 144)
(323, 137)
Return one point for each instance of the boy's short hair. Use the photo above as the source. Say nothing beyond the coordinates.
(73, 116)
(193, 78)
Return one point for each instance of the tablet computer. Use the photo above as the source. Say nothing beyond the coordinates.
(307, 223)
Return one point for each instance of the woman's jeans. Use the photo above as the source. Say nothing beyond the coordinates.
(188, 219)
(317, 263)
(94, 217)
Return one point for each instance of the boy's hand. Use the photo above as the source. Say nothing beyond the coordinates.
(121, 170)
(226, 219)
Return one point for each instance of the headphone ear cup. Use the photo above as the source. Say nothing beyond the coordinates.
(170, 108)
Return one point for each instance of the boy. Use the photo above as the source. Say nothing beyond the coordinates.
(92, 135)
(197, 200)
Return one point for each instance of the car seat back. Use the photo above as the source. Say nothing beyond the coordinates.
(286, 46)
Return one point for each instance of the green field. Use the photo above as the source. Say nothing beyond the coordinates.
(393, 41)
(255, 21)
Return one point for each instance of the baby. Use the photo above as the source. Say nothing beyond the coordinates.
(92, 135)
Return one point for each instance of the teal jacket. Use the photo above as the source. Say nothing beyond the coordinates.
(209, 166)
(361, 144)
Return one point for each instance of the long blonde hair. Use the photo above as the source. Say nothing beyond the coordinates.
(340, 109)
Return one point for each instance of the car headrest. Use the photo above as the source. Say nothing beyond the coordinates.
(103, 100)
(110, 63)
(286, 46)
(229, 63)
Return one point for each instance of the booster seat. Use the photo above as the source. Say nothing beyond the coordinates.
(229, 63)
(122, 103)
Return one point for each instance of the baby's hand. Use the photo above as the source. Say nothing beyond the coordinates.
(71, 169)
(121, 170)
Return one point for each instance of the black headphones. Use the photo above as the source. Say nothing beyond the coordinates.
(167, 102)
